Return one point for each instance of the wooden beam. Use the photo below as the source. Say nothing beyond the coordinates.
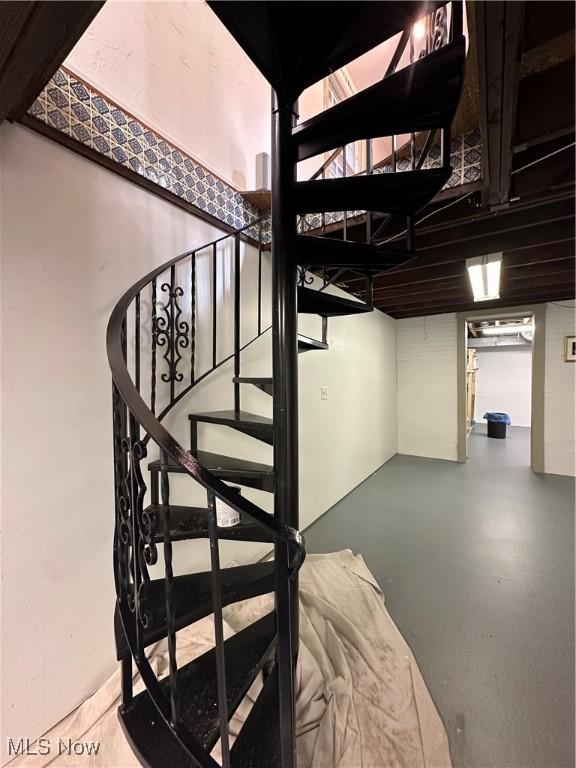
(499, 35)
(566, 293)
(545, 259)
(548, 54)
(517, 227)
(38, 42)
(546, 103)
(509, 289)
(433, 273)
(545, 273)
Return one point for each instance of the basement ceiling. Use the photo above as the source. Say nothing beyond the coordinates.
(521, 74)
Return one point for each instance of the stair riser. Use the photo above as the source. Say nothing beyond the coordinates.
(263, 433)
(260, 482)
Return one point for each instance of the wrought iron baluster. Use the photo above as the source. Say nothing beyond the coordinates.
(153, 354)
(260, 278)
(285, 655)
(426, 148)
(410, 219)
(136, 452)
(395, 60)
(122, 532)
(172, 340)
(122, 522)
(345, 226)
(171, 333)
(323, 212)
(214, 306)
(168, 590)
(218, 631)
(192, 317)
(236, 322)
(137, 341)
(369, 171)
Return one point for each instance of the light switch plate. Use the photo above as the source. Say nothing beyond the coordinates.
(323, 392)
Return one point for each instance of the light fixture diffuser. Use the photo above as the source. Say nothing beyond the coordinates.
(484, 274)
(508, 330)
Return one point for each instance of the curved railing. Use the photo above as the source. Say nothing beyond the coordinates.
(155, 328)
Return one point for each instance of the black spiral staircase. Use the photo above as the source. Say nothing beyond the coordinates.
(161, 347)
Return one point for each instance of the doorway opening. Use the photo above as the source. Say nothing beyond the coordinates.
(499, 388)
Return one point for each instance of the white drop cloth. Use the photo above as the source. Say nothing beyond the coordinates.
(361, 700)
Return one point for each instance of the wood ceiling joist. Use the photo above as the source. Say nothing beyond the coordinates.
(566, 293)
(499, 27)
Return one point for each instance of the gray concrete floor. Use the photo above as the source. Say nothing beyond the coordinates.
(477, 566)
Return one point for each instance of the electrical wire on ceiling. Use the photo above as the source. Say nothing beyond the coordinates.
(460, 199)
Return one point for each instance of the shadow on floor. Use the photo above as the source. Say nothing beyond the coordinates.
(476, 562)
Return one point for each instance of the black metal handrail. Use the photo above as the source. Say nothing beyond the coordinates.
(136, 424)
(152, 424)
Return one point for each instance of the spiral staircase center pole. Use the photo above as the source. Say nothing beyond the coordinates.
(285, 376)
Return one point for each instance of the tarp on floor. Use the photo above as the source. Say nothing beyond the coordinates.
(361, 700)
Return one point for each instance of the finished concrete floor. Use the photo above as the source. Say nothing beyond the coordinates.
(477, 566)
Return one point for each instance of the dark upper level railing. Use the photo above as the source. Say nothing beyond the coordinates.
(438, 28)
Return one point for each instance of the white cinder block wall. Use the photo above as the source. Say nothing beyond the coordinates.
(504, 383)
(426, 386)
(73, 238)
(559, 389)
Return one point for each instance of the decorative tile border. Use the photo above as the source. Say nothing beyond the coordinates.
(74, 108)
(86, 116)
(465, 159)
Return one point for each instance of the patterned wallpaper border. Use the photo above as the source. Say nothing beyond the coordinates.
(74, 108)
(71, 106)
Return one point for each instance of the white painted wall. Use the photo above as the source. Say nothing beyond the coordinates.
(73, 237)
(559, 391)
(504, 383)
(426, 386)
(176, 67)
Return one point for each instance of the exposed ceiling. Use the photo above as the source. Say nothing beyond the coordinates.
(520, 69)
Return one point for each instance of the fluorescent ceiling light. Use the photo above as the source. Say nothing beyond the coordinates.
(508, 330)
(484, 274)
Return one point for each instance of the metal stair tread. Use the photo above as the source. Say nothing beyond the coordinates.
(245, 653)
(306, 343)
(348, 31)
(328, 251)
(217, 462)
(265, 383)
(192, 595)
(258, 743)
(328, 305)
(150, 737)
(421, 96)
(404, 193)
(192, 523)
(236, 417)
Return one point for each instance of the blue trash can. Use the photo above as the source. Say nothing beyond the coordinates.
(497, 424)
